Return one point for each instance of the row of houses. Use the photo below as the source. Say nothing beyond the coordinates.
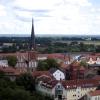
(47, 83)
(66, 83)
(64, 89)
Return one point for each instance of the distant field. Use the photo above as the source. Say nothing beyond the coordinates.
(85, 42)
(91, 42)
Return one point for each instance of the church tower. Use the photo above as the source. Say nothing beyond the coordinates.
(32, 41)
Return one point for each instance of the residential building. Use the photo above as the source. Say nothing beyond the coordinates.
(4, 63)
(93, 95)
(57, 73)
(10, 72)
(65, 90)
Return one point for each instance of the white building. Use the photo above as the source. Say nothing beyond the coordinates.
(57, 74)
(42, 57)
(4, 63)
(95, 95)
(94, 60)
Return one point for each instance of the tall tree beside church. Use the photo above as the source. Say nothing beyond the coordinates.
(12, 60)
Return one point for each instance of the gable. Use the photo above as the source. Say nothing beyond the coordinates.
(58, 75)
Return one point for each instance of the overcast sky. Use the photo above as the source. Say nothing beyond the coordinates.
(50, 16)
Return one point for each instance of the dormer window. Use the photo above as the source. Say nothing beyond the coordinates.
(59, 86)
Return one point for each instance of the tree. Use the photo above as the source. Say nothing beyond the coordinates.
(14, 94)
(12, 60)
(47, 64)
(83, 63)
(52, 63)
(26, 80)
(42, 65)
(11, 91)
(2, 74)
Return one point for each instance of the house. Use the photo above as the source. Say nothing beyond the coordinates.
(97, 77)
(57, 73)
(42, 73)
(27, 59)
(4, 63)
(7, 44)
(76, 71)
(10, 72)
(93, 95)
(54, 73)
(65, 90)
(24, 59)
(42, 56)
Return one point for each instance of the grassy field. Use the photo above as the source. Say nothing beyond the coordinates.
(85, 42)
(92, 42)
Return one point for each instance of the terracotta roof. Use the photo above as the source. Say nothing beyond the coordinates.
(42, 55)
(75, 64)
(43, 78)
(95, 93)
(70, 84)
(39, 73)
(10, 70)
(25, 55)
(64, 66)
(60, 56)
(82, 68)
(50, 83)
(97, 77)
(80, 83)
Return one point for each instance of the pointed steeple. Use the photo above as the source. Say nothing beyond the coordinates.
(32, 42)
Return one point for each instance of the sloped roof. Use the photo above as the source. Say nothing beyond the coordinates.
(70, 84)
(95, 93)
(80, 83)
(10, 70)
(97, 77)
(39, 73)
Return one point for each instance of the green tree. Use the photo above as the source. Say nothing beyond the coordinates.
(27, 81)
(2, 74)
(12, 60)
(52, 63)
(83, 63)
(14, 94)
(42, 65)
(47, 64)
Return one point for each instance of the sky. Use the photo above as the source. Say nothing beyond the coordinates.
(69, 17)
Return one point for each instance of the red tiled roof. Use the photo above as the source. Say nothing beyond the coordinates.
(49, 84)
(70, 84)
(97, 77)
(64, 66)
(42, 55)
(75, 64)
(95, 93)
(56, 55)
(39, 73)
(43, 78)
(19, 54)
(10, 70)
(80, 83)
(82, 68)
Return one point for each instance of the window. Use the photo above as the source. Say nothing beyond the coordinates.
(95, 98)
(59, 86)
(74, 95)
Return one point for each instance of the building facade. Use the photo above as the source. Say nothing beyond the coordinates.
(66, 90)
(95, 95)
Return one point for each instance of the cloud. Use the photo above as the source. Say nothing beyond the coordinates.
(2, 11)
(50, 16)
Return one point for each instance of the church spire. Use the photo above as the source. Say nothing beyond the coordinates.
(32, 42)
